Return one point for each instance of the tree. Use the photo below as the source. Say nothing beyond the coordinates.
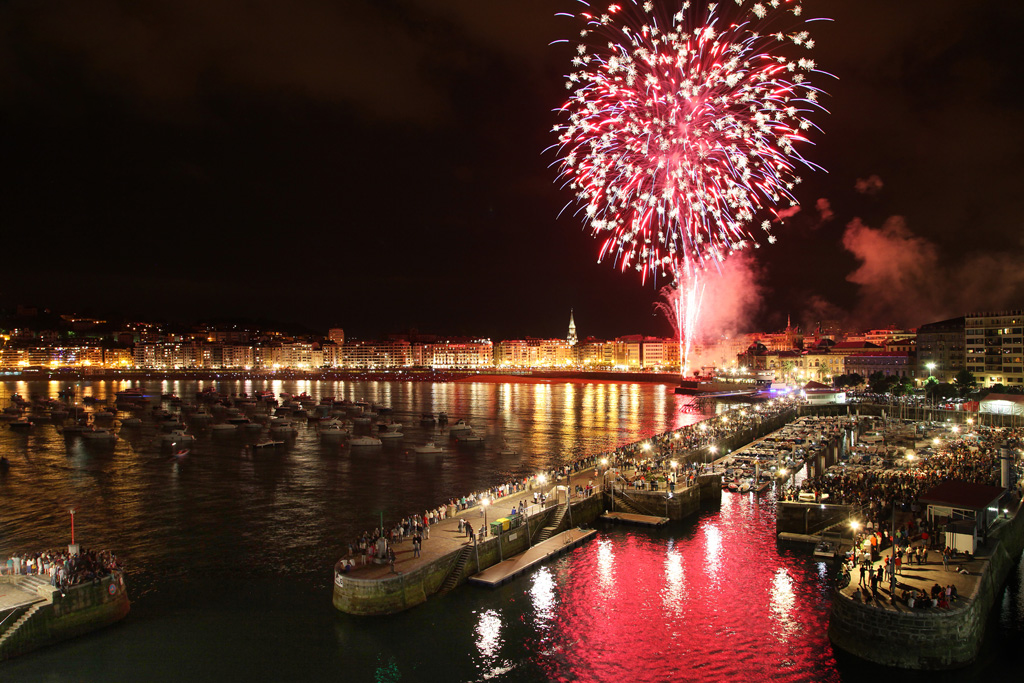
(787, 368)
(878, 383)
(964, 382)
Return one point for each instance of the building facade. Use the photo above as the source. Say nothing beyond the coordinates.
(994, 347)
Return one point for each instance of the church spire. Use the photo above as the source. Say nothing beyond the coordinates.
(572, 330)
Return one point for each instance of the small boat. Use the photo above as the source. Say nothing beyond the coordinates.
(429, 448)
(131, 422)
(363, 441)
(390, 434)
(826, 548)
(267, 443)
(176, 436)
(460, 426)
(471, 438)
(506, 449)
(182, 453)
(22, 424)
(129, 395)
(97, 434)
(224, 428)
(427, 419)
(334, 431)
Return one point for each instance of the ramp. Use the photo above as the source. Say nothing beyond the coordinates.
(524, 561)
(630, 518)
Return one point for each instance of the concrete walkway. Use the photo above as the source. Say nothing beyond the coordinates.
(445, 537)
(524, 561)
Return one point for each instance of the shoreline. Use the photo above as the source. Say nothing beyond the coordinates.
(437, 376)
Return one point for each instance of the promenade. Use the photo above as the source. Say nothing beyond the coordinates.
(646, 460)
(445, 537)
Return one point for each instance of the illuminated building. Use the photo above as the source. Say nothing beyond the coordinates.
(994, 347)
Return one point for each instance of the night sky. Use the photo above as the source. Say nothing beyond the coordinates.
(380, 165)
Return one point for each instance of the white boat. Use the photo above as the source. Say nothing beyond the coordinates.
(97, 434)
(224, 428)
(334, 431)
(360, 441)
(429, 448)
(460, 426)
(390, 434)
(284, 428)
(470, 437)
(508, 450)
(176, 436)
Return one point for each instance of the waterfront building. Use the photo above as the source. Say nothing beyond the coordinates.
(889, 364)
(478, 353)
(941, 345)
(593, 353)
(373, 355)
(994, 347)
(571, 339)
(337, 336)
(881, 336)
(533, 353)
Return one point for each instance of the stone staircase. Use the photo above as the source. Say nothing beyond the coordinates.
(452, 580)
(622, 504)
(30, 584)
(556, 522)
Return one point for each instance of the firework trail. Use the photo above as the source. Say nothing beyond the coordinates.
(681, 305)
(682, 127)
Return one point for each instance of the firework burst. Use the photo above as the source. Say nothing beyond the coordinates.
(681, 128)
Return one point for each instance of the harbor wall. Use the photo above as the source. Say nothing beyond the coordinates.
(400, 592)
(931, 639)
(811, 518)
(684, 502)
(83, 608)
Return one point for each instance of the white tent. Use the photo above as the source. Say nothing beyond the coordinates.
(1002, 404)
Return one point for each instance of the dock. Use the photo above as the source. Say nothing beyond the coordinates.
(630, 518)
(514, 566)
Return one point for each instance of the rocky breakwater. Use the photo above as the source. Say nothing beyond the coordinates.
(933, 638)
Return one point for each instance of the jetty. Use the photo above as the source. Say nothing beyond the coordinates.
(630, 518)
(508, 569)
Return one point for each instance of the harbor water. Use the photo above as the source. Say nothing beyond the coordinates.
(230, 556)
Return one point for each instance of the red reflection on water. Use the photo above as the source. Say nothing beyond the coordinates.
(721, 603)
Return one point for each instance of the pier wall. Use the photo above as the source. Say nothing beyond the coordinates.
(684, 502)
(83, 608)
(810, 518)
(408, 589)
(930, 639)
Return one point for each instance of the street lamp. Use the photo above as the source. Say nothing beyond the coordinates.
(484, 503)
(73, 548)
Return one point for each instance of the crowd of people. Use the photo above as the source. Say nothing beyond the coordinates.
(973, 458)
(62, 568)
(641, 464)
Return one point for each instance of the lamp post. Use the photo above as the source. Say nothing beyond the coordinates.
(484, 503)
(73, 548)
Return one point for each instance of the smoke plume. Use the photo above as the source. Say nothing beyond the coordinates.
(902, 279)
(871, 185)
(824, 208)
